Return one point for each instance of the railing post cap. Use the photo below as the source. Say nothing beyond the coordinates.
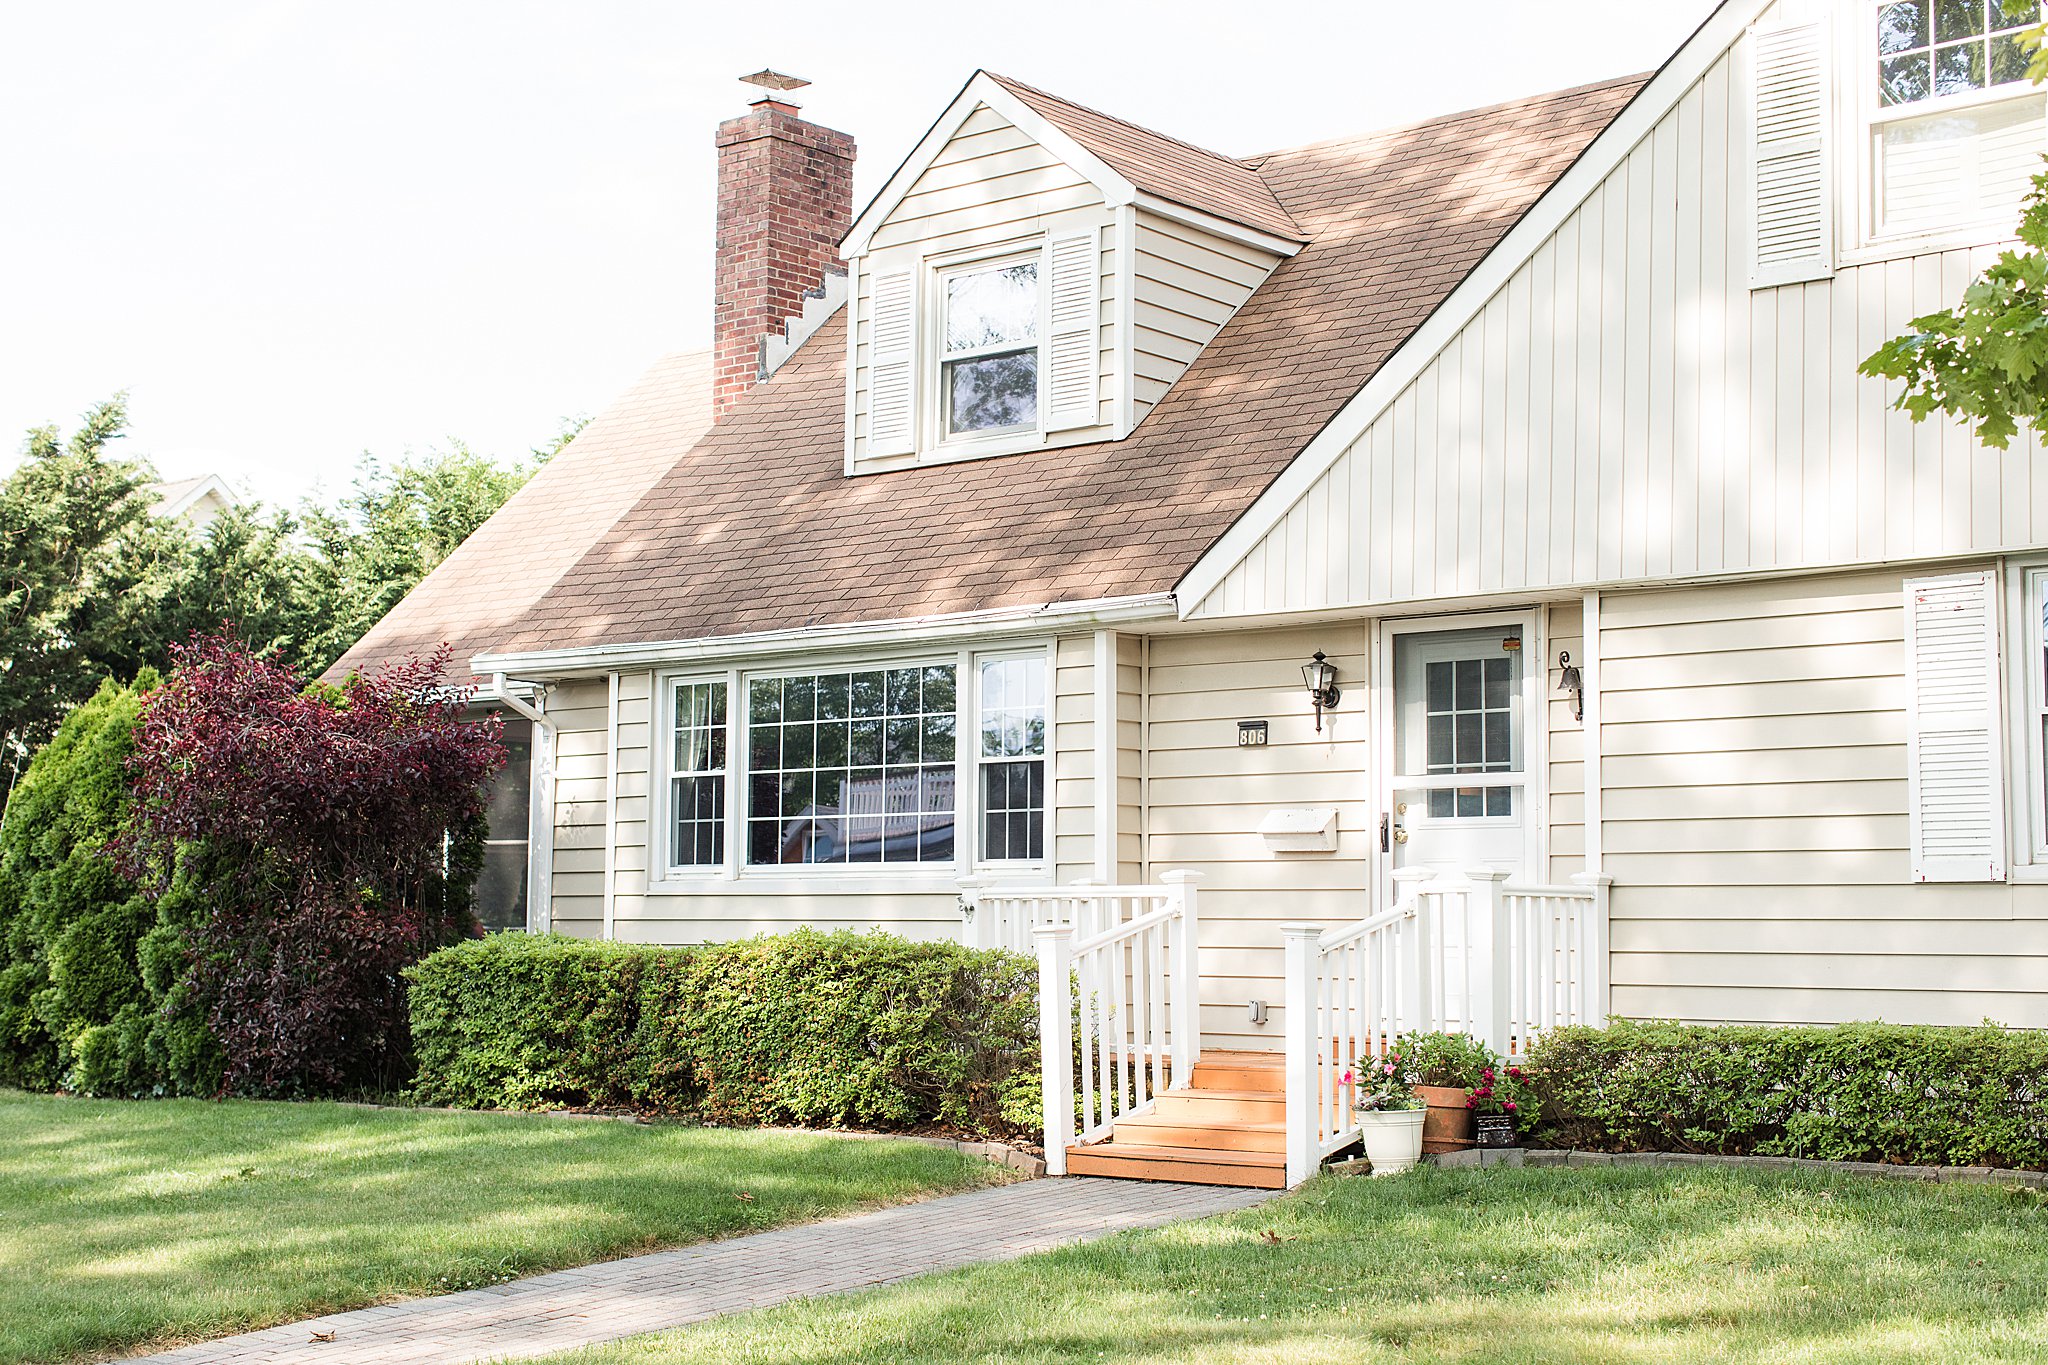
(1487, 874)
(1179, 876)
(1048, 933)
(1301, 931)
(1592, 879)
(1413, 874)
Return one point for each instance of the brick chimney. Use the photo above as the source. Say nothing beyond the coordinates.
(785, 198)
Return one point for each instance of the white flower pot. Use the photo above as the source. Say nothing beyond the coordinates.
(1393, 1138)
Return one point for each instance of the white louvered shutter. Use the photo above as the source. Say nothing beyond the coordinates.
(1955, 790)
(892, 362)
(1792, 171)
(1071, 358)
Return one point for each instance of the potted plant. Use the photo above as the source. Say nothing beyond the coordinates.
(1389, 1111)
(1503, 1104)
(1446, 1068)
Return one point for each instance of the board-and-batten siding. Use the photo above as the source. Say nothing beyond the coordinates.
(990, 184)
(1187, 284)
(1755, 819)
(1205, 797)
(1626, 408)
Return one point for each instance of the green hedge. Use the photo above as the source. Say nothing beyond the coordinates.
(807, 1028)
(1913, 1094)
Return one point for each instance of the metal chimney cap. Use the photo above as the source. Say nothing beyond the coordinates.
(774, 80)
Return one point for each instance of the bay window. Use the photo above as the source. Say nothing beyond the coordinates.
(858, 766)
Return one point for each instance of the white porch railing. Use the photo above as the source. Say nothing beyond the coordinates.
(1465, 954)
(1005, 917)
(1119, 982)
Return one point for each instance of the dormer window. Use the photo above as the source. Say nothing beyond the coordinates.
(988, 368)
(1954, 130)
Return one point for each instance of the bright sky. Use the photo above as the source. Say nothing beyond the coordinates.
(299, 231)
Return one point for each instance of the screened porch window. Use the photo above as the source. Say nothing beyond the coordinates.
(988, 370)
(1956, 132)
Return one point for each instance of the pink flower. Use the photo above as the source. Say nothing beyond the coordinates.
(1388, 1068)
(1345, 1079)
(1483, 1091)
(1508, 1105)
(1516, 1072)
(1471, 1103)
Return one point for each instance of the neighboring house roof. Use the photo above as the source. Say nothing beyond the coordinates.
(197, 500)
(472, 598)
(1165, 166)
(759, 528)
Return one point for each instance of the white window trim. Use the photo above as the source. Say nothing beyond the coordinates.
(938, 445)
(1043, 656)
(2026, 696)
(735, 876)
(1860, 117)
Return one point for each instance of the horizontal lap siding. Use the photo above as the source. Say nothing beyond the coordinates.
(1754, 761)
(579, 712)
(1625, 408)
(1073, 762)
(1188, 283)
(1206, 797)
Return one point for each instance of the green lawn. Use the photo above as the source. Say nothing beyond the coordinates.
(125, 1224)
(1515, 1267)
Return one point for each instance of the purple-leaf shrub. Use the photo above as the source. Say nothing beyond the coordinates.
(326, 838)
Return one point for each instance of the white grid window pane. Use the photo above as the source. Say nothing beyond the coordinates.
(852, 767)
(1011, 726)
(696, 797)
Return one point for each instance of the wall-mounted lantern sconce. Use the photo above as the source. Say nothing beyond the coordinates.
(1321, 676)
(1568, 681)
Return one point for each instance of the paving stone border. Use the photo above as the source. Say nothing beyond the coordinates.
(1947, 1175)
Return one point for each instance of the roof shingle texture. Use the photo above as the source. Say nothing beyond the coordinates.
(473, 597)
(758, 528)
(1165, 166)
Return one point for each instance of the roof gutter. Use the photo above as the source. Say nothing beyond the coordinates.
(998, 623)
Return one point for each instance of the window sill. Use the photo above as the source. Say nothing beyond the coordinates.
(1966, 236)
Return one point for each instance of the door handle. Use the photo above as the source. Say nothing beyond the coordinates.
(1400, 836)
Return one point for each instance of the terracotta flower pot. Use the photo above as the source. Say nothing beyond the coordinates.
(1447, 1126)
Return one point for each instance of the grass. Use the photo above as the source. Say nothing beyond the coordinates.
(1510, 1267)
(124, 1225)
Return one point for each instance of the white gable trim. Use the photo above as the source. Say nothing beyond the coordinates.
(210, 484)
(1709, 42)
(981, 90)
(1221, 227)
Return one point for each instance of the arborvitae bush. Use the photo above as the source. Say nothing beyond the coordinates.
(77, 1005)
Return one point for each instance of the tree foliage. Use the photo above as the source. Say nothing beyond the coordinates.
(332, 835)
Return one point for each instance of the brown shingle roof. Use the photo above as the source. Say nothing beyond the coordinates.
(472, 598)
(758, 528)
(1165, 166)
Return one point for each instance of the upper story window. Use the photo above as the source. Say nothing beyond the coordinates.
(988, 367)
(1954, 130)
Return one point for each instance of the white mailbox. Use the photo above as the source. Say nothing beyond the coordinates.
(1311, 829)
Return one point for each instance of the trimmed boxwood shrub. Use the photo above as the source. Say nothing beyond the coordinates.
(1912, 1094)
(812, 1028)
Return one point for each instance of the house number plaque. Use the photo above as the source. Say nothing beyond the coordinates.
(1251, 734)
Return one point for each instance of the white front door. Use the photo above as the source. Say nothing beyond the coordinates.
(1461, 708)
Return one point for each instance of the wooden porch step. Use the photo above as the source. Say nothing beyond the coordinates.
(1205, 1106)
(1186, 1165)
(1222, 1136)
(1265, 1072)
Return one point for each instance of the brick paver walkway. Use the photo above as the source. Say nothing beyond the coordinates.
(571, 1308)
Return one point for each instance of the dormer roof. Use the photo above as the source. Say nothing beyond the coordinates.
(1156, 164)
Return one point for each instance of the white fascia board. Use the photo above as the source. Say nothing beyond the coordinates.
(1001, 623)
(211, 483)
(1220, 227)
(1659, 95)
(981, 90)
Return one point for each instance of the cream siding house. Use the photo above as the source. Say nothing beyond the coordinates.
(1675, 674)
